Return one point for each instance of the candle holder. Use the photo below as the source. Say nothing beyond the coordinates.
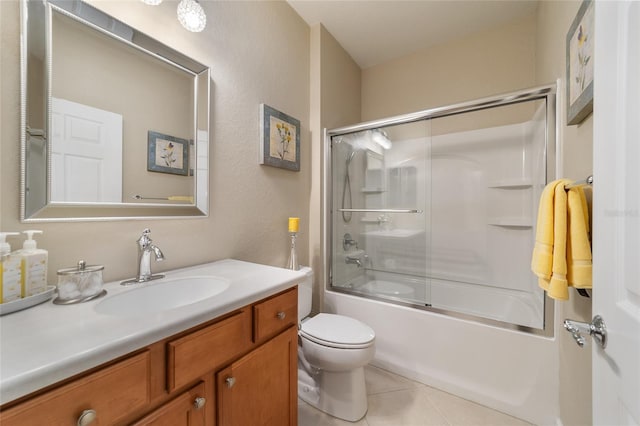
(293, 254)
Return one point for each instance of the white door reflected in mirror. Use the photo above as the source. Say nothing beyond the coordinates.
(86, 153)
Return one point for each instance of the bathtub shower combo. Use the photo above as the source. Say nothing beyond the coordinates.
(433, 213)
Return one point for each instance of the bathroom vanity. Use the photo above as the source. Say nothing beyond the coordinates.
(230, 359)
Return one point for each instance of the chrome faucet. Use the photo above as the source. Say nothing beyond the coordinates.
(145, 247)
(359, 260)
(353, 260)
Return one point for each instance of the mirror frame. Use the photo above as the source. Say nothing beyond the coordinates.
(98, 20)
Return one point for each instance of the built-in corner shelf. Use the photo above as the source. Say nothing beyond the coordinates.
(372, 190)
(511, 222)
(518, 183)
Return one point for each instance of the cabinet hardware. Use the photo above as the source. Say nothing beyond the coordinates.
(199, 402)
(281, 315)
(87, 417)
(230, 381)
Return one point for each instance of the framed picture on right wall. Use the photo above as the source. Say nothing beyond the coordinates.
(580, 64)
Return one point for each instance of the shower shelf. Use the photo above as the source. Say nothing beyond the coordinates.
(511, 222)
(511, 184)
(373, 190)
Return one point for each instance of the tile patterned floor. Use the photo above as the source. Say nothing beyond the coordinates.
(396, 401)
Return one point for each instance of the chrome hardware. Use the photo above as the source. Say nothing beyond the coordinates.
(230, 381)
(87, 417)
(199, 402)
(351, 260)
(380, 210)
(348, 242)
(281, 315)
(145, 247)
(596, 329)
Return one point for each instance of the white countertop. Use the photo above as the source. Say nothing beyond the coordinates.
(47, 343)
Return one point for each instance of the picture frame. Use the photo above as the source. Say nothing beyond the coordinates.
(167, 154)
(579, 55)
(279, 139)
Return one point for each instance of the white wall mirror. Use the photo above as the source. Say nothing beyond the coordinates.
(115, 125)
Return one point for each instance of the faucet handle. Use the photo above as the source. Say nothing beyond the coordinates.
(144, 241)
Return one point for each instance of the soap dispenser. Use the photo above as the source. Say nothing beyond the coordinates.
(10, 271)
(34, 266)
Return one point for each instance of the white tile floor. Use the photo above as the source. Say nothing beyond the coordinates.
(396, 401)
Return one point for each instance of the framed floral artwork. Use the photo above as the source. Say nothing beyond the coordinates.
(580, 64)
(279, 139)
(167, 154)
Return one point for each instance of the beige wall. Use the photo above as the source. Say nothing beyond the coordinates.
(150, 95)
(258, 52)
(483, 64)
(576, 154)
(335, 102)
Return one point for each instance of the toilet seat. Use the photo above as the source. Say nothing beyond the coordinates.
(337, 331)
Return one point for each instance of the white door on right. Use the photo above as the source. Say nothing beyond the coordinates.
(616, 211)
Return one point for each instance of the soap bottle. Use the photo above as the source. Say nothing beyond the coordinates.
(34, 266)
(10, 271)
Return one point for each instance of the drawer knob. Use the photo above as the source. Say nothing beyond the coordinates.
(281, 315)
(230, 381)
(87, 417)
(199, 402)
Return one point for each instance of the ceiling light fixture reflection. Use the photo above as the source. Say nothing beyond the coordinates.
(380, 137)
(151, 2)
(191, 15)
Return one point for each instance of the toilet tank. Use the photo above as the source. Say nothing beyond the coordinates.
(305, 293)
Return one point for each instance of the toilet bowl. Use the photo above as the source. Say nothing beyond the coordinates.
(333, 350)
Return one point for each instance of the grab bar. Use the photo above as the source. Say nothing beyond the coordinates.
(381, 210)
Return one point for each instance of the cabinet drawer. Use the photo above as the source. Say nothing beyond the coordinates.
(275, 314)
(112, 392)
(202, 351)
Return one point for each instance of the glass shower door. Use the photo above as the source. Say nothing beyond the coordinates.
(380, 234)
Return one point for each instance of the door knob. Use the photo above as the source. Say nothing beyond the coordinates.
(596, 329)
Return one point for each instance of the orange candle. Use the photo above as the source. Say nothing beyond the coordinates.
(294, 224)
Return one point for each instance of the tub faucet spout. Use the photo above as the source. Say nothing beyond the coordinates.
(352, 260)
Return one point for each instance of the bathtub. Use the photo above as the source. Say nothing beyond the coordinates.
(507, 370)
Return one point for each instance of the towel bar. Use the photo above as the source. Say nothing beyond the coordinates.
(381, 210)
(584, 182)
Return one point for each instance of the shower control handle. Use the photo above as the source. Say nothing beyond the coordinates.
(596, 329)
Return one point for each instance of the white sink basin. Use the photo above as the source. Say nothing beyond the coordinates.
(170, 293)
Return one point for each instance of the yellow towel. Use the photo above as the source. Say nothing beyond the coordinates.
(579, 266)
(562, 254)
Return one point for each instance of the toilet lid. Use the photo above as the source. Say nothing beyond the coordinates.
(337, 331)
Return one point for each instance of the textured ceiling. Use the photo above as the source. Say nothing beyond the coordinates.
(375, 31)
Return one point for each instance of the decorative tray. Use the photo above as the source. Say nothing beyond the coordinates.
(27, 302)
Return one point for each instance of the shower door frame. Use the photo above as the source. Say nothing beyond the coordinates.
(548, 93)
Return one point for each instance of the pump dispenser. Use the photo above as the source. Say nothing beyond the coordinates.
(10, 271)
(34, 266)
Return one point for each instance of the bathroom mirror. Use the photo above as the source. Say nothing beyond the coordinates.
(115, 125)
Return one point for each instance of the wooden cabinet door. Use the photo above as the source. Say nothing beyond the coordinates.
(188, 409)
(260, 389)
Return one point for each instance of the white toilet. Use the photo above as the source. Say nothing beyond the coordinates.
(332, 353)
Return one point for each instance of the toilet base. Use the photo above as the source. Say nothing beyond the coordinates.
(342, 394)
